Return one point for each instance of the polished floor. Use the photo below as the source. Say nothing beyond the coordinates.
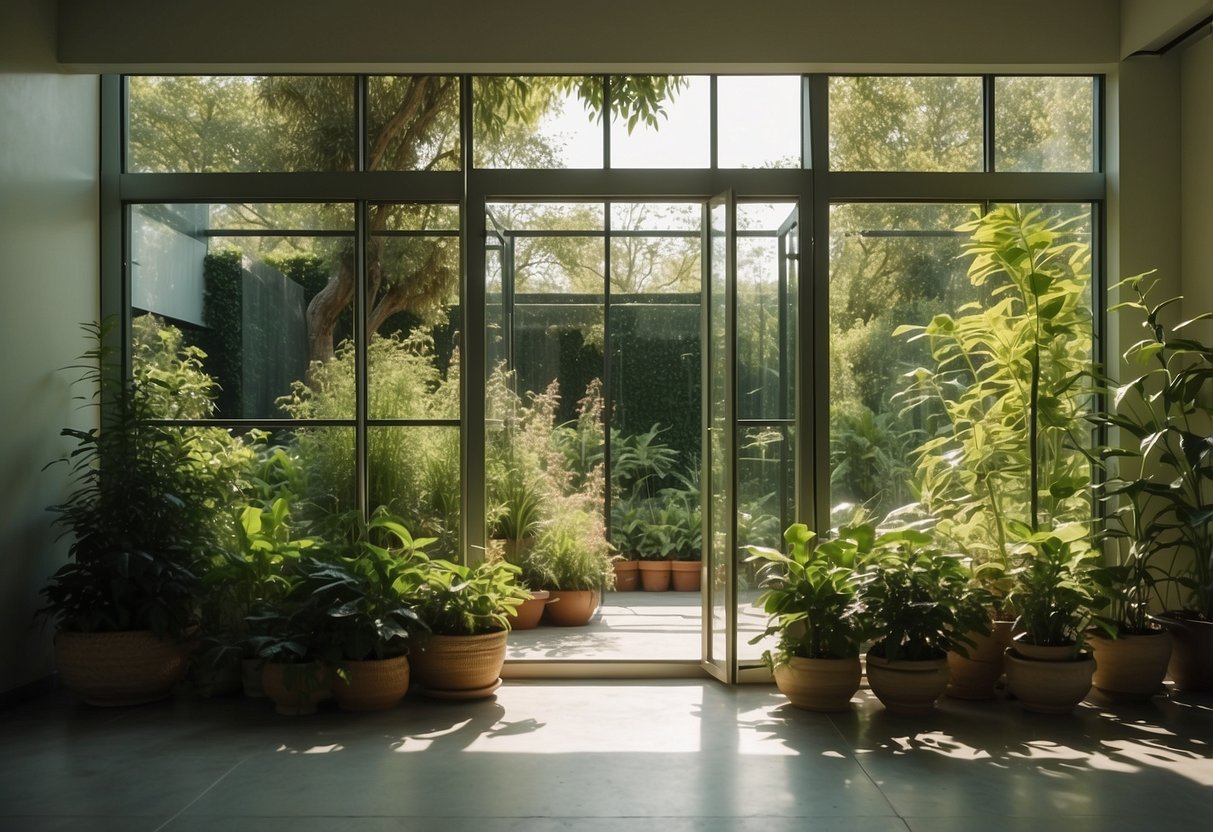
(639, 627)
(599, 756)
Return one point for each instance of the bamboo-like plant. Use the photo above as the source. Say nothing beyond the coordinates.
(1011, 389)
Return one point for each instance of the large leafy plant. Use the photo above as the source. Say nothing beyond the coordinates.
(141, 501)
(1056, 583)
(921, 601)
(1162, 485)
(457, 599)
(1011, 389)
(812, 597)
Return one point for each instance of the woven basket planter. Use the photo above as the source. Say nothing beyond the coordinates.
(466, 667)
(372, 685)
(114, 669)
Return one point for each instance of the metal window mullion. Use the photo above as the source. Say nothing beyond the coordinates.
(606, 122)
(713, 126)
(988, 123)
(361, 303)
(473, 353)
(813, 342)
(607, 360)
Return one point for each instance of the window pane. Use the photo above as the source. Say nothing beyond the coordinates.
(263, 290)
(766, 346)
(413, 313)
(1044, 124)
(413, 122)
(671, 130)
(537, 122)
(890, 264)
(240, 124)
(906, 123)
(414, 473)
(758, 121)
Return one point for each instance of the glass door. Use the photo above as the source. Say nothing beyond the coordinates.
(719, 442)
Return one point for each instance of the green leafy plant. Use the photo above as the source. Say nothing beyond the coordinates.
(1055, 585)
(1162, 486)
(572, 553)
(1011, 388)
(139, 508)
(812, 597)
(368, 591)
(921, 601)
(457, 599)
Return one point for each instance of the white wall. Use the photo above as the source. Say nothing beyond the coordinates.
(1196, 143)
(48, 285)
(622, 34)
(1151, 24)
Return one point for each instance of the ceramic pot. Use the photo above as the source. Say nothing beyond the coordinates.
(571, 607)
(1131, 667)
(530, 611)
(627, 575)
(975, 676)
(296, 689)
(1191, 665)
(372, 685)
(905, 687)
(1049, 687)
(123, 668)
(685, 575)
(824, 685)
(250, 678)
(460, 667)
(1044, 652)
(655, 575)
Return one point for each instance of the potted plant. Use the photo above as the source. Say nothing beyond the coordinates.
(467, 611)
(1166, 475)
(285, 635)
(138, 511)
(812, 597)
(1007, 402)
(577, 565)
(246, 575)
(684, 517)
(366, 595)
(921, 603)
(1055, 591)
(639, 461)
(627, 530)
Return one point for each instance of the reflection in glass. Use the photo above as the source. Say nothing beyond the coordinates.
(906, 123)
(413, 313)
(241, 282)
(1044, 124)
(537, 122)
(412, 122)
(240, 124)
(414, 473)
(758, 121)
(677, 137)
(890, 264)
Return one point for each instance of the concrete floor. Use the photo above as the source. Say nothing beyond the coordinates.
(638, 626)
(599, 756)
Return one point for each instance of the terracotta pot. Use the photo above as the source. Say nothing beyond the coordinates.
(372, 685)
(296, 689)
(1049, 687)
(905, 687)
(655, 575)
(1131, 668)
(571, 607)
(824, 685)
(460, 667)
(685, 575)
(974, 676)
(122, 668)
(530, 611)
(627, 575)
(1044, 652)
(1191, 665)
